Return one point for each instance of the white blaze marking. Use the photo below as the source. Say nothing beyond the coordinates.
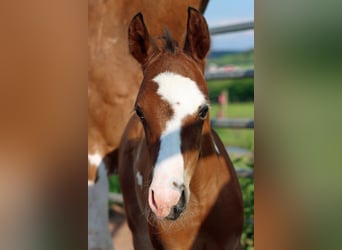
(95, 159)
(185, 98)
(139, 179)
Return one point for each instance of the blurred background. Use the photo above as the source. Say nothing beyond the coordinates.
(43, 101)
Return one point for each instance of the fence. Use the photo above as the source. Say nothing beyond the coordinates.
(238, 73)
(234, 74)
(223, 123)
(232, 28)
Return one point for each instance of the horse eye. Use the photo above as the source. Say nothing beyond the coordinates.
(203, 112)
(139, 112)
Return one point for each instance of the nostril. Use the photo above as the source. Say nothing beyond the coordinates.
(153, 200)
(178, 209)
(181, 203)
(178, 186)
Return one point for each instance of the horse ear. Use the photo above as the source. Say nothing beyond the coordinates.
(138, 39)
(197, 39)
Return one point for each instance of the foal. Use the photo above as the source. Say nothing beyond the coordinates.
(178, 183)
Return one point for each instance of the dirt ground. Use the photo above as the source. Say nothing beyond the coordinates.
(121, 235)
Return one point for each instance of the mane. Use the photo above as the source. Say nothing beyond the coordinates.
(169, 44)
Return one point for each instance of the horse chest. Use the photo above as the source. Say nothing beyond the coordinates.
(191, 236)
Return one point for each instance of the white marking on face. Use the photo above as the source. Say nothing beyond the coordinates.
(216, 148)
(139, 179)
(184, 97)
(95, 159)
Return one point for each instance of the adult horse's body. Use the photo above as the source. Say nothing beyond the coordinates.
(178, 183)
(113, 81)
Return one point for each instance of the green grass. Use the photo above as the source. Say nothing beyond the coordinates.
(247, 237)
(234, 110)
(114, 185)
(237, 138)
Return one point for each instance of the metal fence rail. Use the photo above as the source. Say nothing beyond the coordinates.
(245, 173)
(232, 123)
(234, 74)
(232, 28)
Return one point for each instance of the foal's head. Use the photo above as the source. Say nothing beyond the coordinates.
(172, 105)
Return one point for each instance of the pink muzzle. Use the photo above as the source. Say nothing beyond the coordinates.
(162, 200)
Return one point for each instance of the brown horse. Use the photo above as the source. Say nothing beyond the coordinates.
(114, 79)
(178, 183)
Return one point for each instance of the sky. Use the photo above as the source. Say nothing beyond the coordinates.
(221, 12)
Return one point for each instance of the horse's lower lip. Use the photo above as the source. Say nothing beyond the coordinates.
(175, 211)
(170, 216)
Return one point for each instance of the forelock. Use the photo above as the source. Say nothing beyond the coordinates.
(169, 44)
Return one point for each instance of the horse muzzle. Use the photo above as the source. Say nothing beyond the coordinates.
(167, 203)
